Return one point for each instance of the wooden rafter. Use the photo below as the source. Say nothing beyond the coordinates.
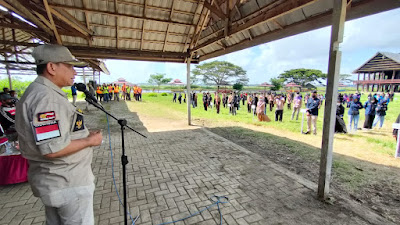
(72, 21)
(104, 12)
(137, 40)
(170, 18)
(274, 12)
(138, 29)
(20, 9)
(214, 8)
(193, 21)
(277, 24)
(196, 37)
(85, 4)
(53, 25)
(142, 37)
(116, 23)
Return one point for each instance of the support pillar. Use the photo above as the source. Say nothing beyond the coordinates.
(363, 86)
(84, 81)
(339, 16)
(188, 94)
(9, 75)
(358, 81)
(392, 84)
(369, 77)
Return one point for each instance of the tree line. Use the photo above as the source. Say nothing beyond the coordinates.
(222, 73)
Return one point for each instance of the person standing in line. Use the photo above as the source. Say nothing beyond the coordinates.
(271, 99)
(73, 92)
(110, 91)
(340, 126)
(370, 111)
(289, 100)
(249, 99)
(55, 140)
(116, 92)
(205, 99)
(395, 131)
(381, 109)
(312, 107)
(297, 104)
(184, 97)
(174, 98)
(217, 100)
(195, 99)
(105, 92)
(98, 93)
(280, 103)
(180, 98)
(354, 112)
(260, 110)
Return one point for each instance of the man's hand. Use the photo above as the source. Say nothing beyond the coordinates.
(95, 137)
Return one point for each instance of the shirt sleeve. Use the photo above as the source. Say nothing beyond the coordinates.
(60, 136)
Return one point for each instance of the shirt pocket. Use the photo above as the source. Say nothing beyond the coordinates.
(78, 126)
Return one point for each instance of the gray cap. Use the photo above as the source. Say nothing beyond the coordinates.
(56, 54)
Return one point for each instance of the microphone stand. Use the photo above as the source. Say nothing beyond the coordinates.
(124, 158)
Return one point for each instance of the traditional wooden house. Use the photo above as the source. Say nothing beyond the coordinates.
(381, 71)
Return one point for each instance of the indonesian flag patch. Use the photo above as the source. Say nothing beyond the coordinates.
(46, 131)
(46, 116)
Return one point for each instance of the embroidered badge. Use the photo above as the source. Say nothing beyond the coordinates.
(79, 124)
(46, 116)
(47, 131)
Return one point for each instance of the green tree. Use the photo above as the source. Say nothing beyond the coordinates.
(277, 82)
(303, 76)
(345, 78)
(220, 73)
(238, 86)
(158, 79)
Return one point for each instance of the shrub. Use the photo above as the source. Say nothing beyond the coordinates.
(164, 94)
(152, 95)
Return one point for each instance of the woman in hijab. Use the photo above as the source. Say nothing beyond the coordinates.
(369, 106)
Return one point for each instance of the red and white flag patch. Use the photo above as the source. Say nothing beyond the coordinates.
(46, 116)
(47, 131)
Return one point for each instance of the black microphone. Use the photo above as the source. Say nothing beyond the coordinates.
(82, 87)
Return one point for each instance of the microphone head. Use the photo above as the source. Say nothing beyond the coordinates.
(81, 87)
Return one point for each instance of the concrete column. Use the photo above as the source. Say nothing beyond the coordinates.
(188, 94)
(338, 19)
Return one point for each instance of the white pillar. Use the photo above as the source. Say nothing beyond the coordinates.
(188, 94)
(339, 16)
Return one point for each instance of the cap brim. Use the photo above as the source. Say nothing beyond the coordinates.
(77, 63)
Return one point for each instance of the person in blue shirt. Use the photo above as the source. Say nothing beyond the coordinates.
(73, 91)
(369, 106)
(312, 107)
(354, 112)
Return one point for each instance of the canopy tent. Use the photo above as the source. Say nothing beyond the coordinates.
(186, 31)
(176, 82)
(265, 85)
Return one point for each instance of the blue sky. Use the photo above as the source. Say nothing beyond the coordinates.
(362, 39)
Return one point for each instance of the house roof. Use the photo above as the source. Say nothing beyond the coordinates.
(381, 61)
(167, 30)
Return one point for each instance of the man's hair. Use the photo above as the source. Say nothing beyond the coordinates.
(40, 69)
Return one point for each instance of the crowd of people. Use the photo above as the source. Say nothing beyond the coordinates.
(110, 92)
(259, 103)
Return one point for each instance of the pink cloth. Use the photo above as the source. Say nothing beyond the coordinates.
(13, 169)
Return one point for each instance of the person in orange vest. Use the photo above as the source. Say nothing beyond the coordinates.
(135, 93)
(110, 91)
(139, 94)
(98, 93)
(124, 91)
(116, 92)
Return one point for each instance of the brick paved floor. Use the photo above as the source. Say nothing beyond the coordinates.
(172, 174)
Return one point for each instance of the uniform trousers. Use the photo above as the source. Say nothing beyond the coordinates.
(70, 206)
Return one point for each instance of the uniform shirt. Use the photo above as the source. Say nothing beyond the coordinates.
(46, 122)
(312, 106)
(354, 108)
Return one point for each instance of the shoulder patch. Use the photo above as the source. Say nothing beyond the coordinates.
(46, 116)
(79, 124)
(46, 131)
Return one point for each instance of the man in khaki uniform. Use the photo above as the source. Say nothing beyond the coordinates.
(56, 141)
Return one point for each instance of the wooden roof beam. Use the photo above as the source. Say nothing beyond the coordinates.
(118, 14)
(72, 21)
(53, 26)
(273, 13)
(139, 29)
(193, 21)
(21, 10)
(170, 18)
(85, 4)
(214, 8)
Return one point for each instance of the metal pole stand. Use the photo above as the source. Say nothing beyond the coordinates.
(124, 158)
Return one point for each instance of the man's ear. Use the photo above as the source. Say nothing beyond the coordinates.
(50, 68)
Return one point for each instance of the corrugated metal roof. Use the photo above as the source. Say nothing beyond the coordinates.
(164, 30)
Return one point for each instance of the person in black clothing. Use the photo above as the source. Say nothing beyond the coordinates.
(340, 126)
(205, 101)
(254, 102)
(180, 98)
(370, 111)
(174, 99)
(7, 115)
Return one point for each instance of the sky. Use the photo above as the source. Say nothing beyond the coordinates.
(363, 38)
